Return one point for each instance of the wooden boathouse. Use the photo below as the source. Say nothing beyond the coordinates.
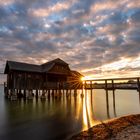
(23, 78)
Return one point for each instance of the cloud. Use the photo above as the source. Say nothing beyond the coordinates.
(48, 10)
(89, 35)
(6, 2)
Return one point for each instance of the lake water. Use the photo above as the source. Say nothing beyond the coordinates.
(60, 118)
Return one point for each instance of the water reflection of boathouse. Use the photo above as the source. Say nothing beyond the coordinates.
(53, 75)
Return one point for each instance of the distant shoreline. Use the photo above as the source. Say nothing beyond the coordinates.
(126, 127)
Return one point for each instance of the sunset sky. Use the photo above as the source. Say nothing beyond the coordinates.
(99, 38)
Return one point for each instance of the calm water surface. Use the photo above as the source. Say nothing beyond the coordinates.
(58, 119)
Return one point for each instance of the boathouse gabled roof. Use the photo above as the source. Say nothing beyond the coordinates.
(47, 66)
(20, 66)
(56, 61)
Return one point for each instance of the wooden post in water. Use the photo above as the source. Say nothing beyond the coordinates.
(20, 93)
(70, 93)
(107, 104)
(86, 88)
(114, 104)
(105, 84)
(138, 85)
(5, 90)
(36, 93)
(112, 84)
(85, 85)
(24, 93)
(91, 86)
(49, 93)
(67, 92)
(75, 92)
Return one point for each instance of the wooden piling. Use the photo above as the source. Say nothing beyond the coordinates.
(114, 104)
(138, 84)
(112, 84)
(91, 86)
(106, 85)
(107, 104)
(75, 92)
(49, 94)
(36, 93)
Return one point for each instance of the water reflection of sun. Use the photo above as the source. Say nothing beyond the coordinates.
(88, 117)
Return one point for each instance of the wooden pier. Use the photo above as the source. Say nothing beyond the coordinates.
(131, 83)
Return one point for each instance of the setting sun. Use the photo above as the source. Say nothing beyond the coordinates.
(86, 78)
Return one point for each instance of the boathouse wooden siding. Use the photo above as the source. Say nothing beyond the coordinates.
(50, 75)
(24, 80)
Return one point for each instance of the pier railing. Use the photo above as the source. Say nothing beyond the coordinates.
(114, 83)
